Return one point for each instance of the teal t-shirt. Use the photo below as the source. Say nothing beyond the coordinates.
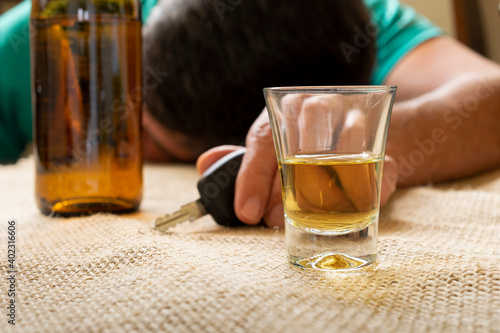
(399, 30)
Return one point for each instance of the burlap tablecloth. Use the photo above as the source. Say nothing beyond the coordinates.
(438, 269)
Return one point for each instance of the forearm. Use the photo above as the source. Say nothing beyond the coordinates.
(450, 133)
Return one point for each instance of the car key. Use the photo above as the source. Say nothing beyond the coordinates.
(216, 188)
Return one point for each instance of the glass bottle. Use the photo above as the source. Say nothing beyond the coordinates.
(86, 63)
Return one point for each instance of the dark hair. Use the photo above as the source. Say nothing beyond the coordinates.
(220, 54)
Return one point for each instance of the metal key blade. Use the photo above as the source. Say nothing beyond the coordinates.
(188, 212)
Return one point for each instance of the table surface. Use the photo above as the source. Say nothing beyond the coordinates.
(438, 268)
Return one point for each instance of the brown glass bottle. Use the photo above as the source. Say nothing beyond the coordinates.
(86, 87)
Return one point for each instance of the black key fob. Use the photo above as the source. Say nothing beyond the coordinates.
(216, 188)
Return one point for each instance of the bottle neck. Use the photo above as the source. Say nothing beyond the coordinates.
(83, 10)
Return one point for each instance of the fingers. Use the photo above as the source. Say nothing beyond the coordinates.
(255, 179)
(213, 155)
(274, 216)
(389, 180)
(353, 136)
(292, 109)
(359, 184)
(316, 135)
(317, 190)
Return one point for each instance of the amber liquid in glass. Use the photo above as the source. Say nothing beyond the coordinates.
(87, 114)
(332, 194)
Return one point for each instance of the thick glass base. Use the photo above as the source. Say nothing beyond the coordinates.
(323, 251)
(87, 206)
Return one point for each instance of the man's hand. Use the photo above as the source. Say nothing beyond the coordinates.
(452, 102)
(258, 188)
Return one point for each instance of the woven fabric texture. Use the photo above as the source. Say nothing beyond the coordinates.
(438, 268)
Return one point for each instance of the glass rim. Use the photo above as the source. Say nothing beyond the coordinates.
(332, 89)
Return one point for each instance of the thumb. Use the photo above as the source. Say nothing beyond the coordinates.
(389, 180)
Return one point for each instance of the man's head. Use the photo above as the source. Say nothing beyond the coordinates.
(220, 54)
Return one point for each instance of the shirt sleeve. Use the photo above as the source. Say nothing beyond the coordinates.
(15, 95)
(400, 29)
(147, 6)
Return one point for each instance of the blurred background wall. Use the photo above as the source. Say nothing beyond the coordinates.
(489, 11)
(477, 19)
(440, 12)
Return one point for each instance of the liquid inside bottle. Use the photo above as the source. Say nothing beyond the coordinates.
(86, 83)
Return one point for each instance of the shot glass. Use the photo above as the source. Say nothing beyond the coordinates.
(330, 144)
